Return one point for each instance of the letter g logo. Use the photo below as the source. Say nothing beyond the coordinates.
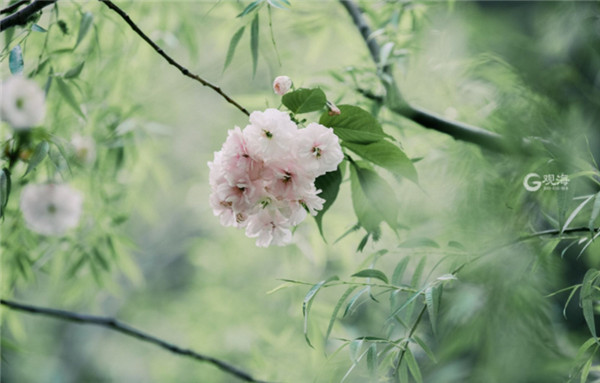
(533, 185)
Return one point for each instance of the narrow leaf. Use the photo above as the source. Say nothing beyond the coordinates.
(68, 95)
(336, 309)
(84, 26)
(372, 360)
(39, 153)
(15, 60)
(575, 212)
(307, 303)
(419, 242)
(416, 278)
(425, 348)
(254, 43)
(399, 271)
(75, 71)
(413, 366)
(432, 300)
(586, 300)
(353, 301)
(372, 273)
(250, 8)
(37, 28)
(595, 212)
(5, 186)
(235, 39)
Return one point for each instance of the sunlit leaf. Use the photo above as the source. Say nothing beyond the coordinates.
(354, 124)
(235, 39)
(304, 100)
(386, 155)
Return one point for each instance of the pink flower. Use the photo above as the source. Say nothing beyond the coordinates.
(269, 226)
(319, 149)
(269, 134)
(282, 85)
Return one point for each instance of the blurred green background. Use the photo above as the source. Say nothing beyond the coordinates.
(517, 68)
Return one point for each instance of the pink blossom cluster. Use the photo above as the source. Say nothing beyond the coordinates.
(263, 178)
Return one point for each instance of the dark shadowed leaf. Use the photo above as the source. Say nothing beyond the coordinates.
(386, 155)
(254, 43)
(329, 184)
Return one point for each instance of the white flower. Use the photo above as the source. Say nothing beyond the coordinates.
(22, 102)
(84, 147)
(319, 148)
(270, 134)
(282, 84)
(270, 227)
(51, 209)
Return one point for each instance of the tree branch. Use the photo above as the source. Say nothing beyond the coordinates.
(123, 328)
(13, 7)
(396, 104)
(169, 59)
(21, 17)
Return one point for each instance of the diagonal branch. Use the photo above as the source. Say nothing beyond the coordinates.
(13, 7)
(169, 59)
(21, 17)
(396, 104)
(123, 328)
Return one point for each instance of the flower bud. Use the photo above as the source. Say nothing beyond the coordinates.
(333, 109)
(282, 85)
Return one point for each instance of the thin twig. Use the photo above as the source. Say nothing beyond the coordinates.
(396, 104)
(21, 17)
(169, 59)
(13, 7)
(123, 328)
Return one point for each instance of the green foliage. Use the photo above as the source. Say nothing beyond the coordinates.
(354, 125)
(15, 60)
(304, 100)
(329, 184)
(235, 39)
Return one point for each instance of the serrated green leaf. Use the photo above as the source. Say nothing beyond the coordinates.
(354, 124)
(39, 153)
(419, 242)
(254, 43)
(84, 26)
(336, 309)
(252, 6)
(235, 39)
(304, 100)
(595, 212)
(399, 271)
(386, 155)
(372, 273)
(15, 60)
(68, 95)
(329, 184)
(75, 71)
(307, 303)
(586, 299)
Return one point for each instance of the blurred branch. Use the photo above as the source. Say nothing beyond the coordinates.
(21, 17)
(123, 328)
(13, 7)
(398, 105)
(169, 59)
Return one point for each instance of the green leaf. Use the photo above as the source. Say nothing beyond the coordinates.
(69, 97)
(254, 43)
(75, 71)
(372, 360)
(419, 242)
(373, 198)
(575, 212)
(353, 300)
(304, 100)
(416, 278)
(584, 347)
(595, 212)
(386, 155)
(399, 271)
(336, 309)
(586, 299)
(585, 371)
(235, 39)
(15, 60)
(253, 5)
(37, 28)
(307, 303)
(5, 186)
(354, 124)
(329, 184)
(39, 153)
(281, 4)
(413, 366)
(84, 26)
(433, 297)
(425, 348)
(372, 273)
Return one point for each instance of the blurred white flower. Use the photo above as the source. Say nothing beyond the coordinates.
(84, 148)
(282, 85)
(22, 102)
(51, 209)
